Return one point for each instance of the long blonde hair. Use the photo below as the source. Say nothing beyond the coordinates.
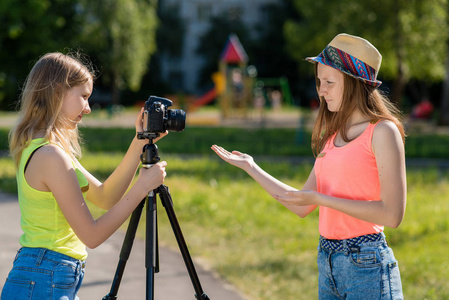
(356, 96)
(41, 102)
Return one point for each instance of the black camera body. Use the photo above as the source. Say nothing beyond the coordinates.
(157, 118)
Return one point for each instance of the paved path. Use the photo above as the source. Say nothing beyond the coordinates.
(126, 119)
(171, 283)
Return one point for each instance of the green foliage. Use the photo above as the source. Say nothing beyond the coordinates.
(28, 30)
(7, 175)
(399, 29)
(119, 35)
(4, 139)
(427, 146)
(122, 35)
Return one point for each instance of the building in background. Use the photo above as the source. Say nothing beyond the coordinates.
(181, 72)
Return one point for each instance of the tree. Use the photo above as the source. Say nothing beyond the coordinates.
(27, 31)
(170, 43)
(121, 35)
(407, 33)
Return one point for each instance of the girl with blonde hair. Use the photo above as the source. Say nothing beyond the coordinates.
(358, 180)
(53, 186)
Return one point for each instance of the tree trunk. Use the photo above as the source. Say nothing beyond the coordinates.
(399, 85)
(115, 90)
(401, 78)
(444, 109)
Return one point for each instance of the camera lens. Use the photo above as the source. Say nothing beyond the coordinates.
(176, 120)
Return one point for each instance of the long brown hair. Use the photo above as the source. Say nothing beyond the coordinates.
(357, 95)
(41, 102)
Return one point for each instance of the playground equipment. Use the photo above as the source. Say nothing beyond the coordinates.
(276, 84)
(231, 84)
(209, 96)
(237, 87)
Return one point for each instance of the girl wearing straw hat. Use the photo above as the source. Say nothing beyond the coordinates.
(358, 181)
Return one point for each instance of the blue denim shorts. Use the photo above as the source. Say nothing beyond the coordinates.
(40, 273)
(367, 270)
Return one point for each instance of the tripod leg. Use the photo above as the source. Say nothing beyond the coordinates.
(168, 205)
(151, 253)
(126, 250)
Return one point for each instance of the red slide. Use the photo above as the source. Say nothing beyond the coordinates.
(206, 98)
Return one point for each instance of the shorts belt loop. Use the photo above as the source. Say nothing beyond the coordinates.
(345, 246)
(40, 256)
(17, 254)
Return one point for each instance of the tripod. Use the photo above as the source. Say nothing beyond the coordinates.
(149, 157)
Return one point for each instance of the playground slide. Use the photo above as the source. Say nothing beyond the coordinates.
(206, 98)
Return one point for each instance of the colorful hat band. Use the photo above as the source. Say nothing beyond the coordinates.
(348, 64)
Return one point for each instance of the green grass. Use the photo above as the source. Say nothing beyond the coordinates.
(232, 226)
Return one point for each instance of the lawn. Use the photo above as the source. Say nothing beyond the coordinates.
(232, 226)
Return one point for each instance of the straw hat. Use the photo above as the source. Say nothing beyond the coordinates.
(352, 55)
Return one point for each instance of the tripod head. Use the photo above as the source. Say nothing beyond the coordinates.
(150, 154)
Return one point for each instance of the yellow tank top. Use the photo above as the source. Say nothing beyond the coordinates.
(42, 221)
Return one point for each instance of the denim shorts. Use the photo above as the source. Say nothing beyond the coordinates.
(40, 273)
(366, 270)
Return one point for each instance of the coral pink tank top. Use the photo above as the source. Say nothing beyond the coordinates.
(348, 172)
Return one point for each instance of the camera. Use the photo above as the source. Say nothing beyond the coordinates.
(157, 118)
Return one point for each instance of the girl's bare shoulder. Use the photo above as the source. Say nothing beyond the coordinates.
(386, 134)
(386, 127)
(51, 155)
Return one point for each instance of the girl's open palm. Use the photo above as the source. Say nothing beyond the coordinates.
(235, 158)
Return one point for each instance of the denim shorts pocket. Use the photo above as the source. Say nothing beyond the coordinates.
(365, 258)
(64, 276)
(17, 290)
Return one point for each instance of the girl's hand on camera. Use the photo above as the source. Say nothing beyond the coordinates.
(235, 158)
(139, 121)
(139, 127)
(151, 178)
